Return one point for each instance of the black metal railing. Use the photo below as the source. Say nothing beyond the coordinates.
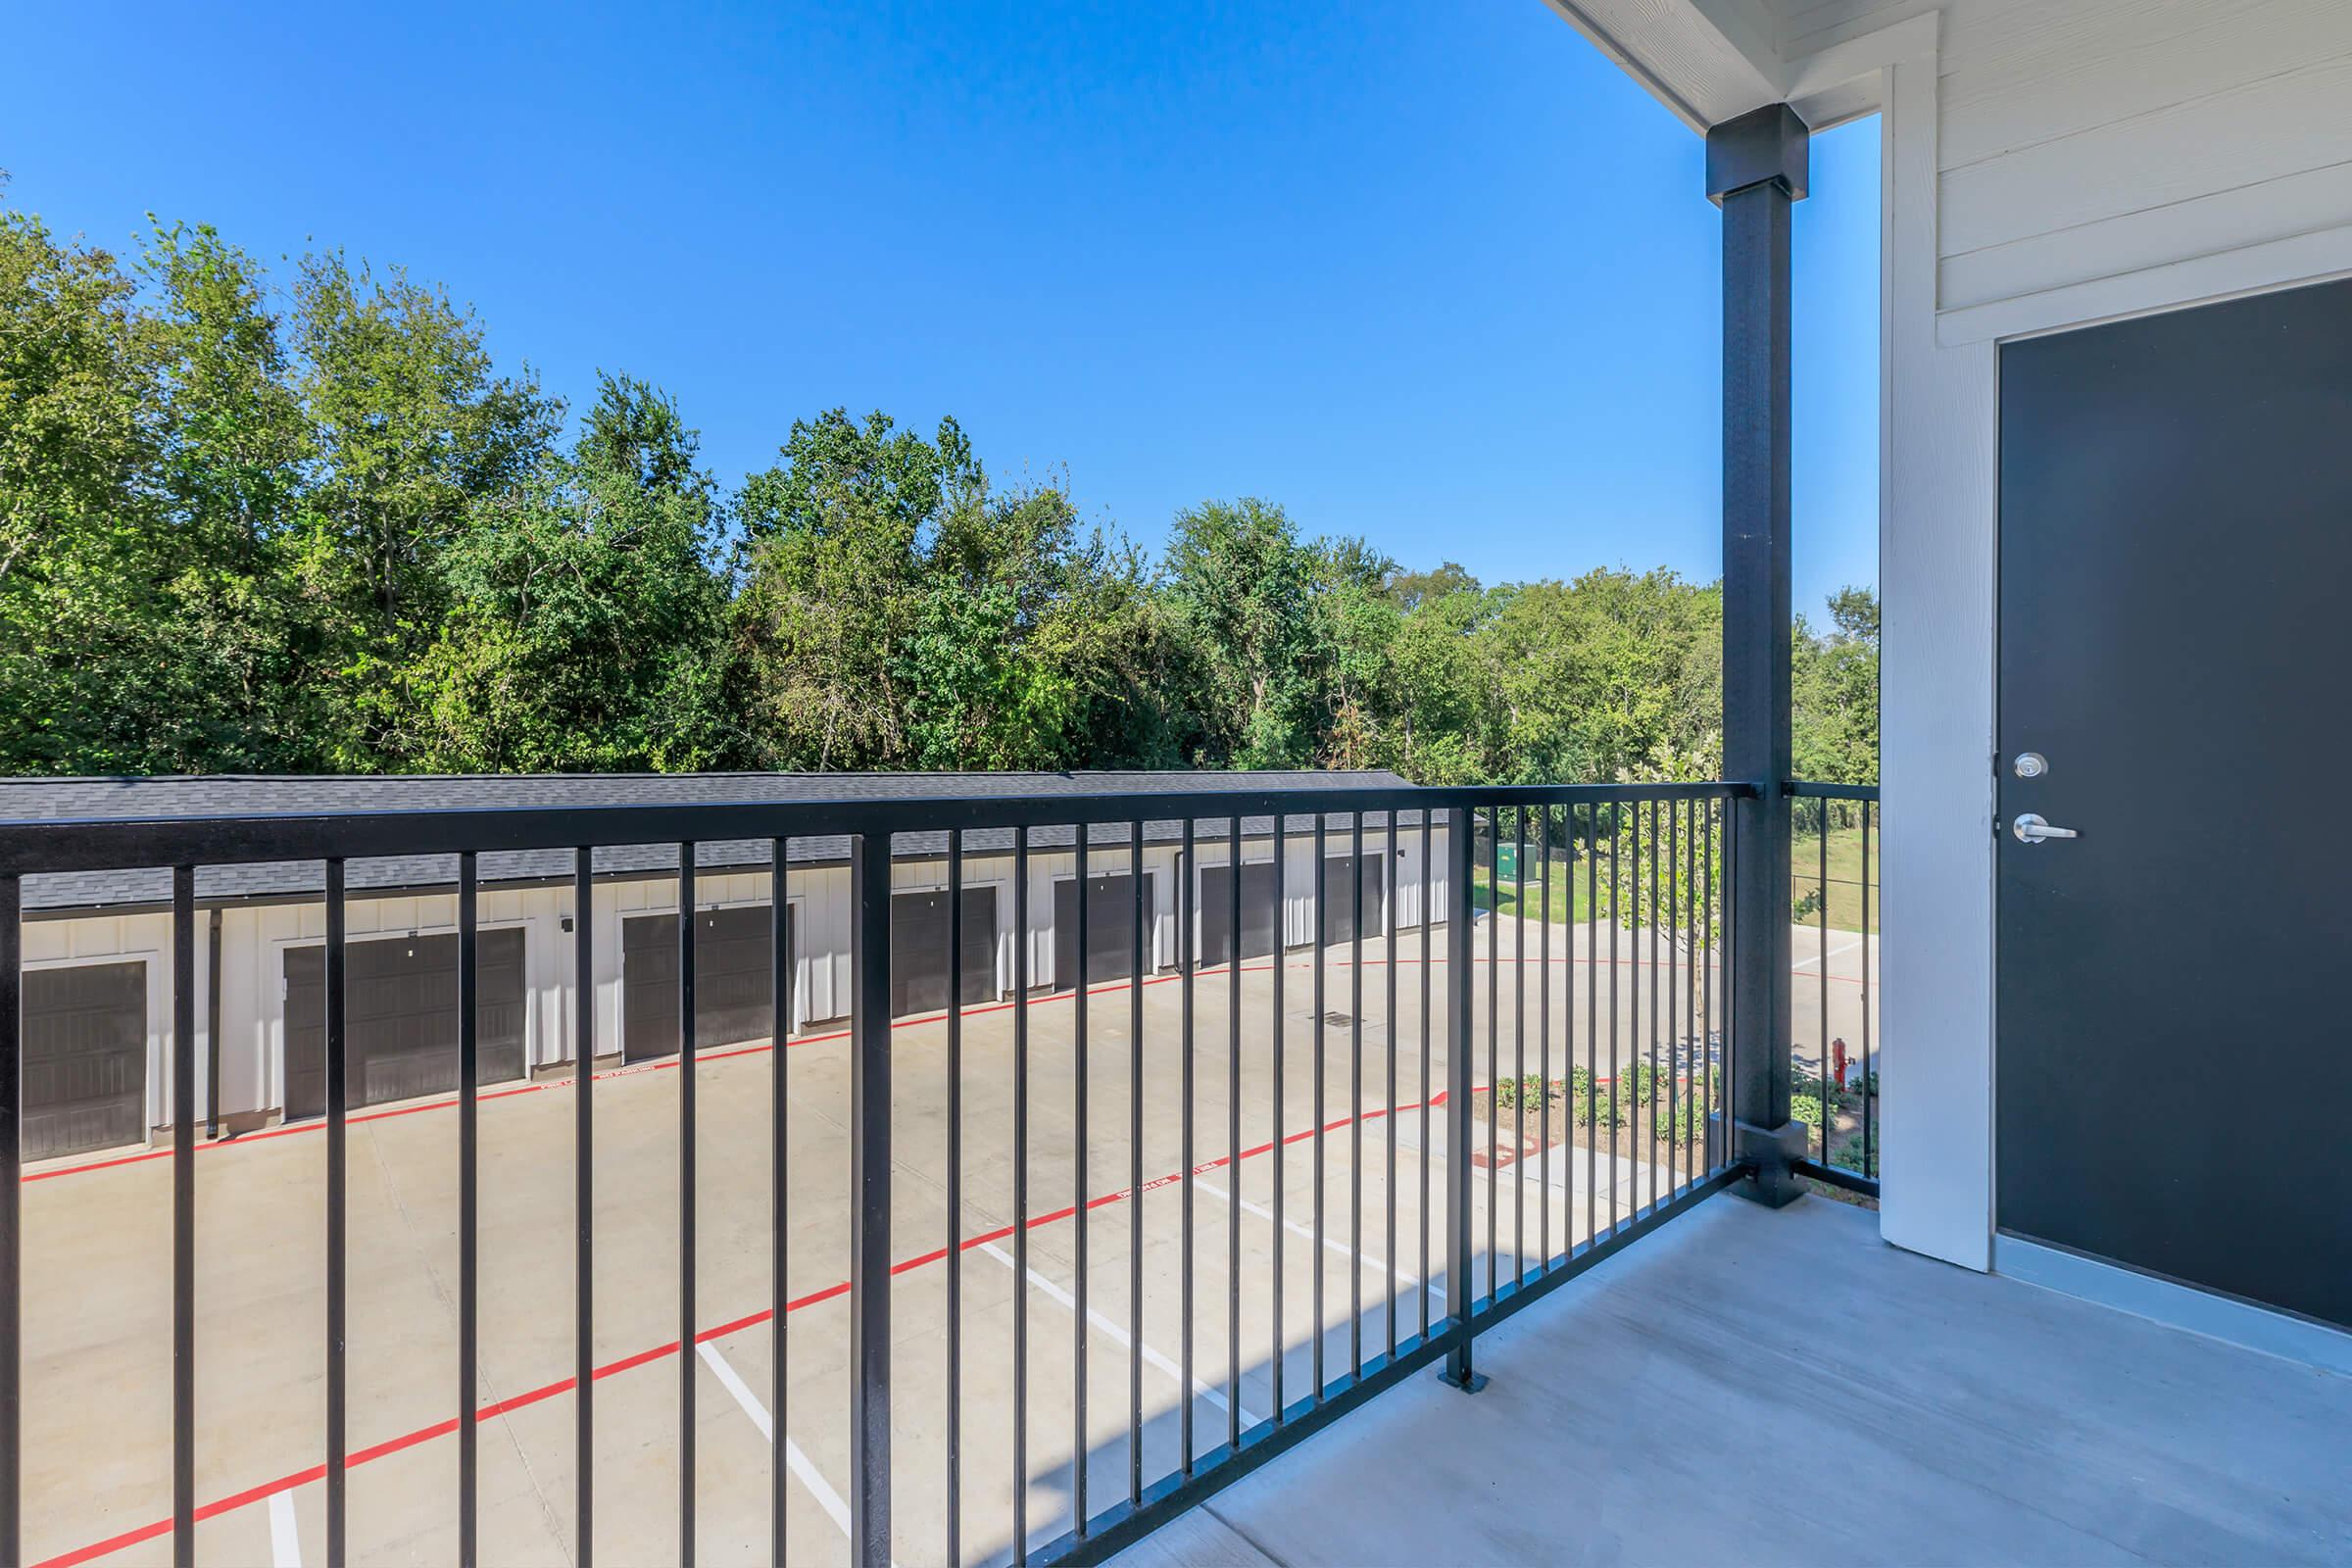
(1621, 957)
(1834, 874)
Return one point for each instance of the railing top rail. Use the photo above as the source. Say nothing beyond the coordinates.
(1810, 790)
(98, 844)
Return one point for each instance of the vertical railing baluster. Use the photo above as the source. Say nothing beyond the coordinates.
(1428, 919)
(1694, 1024)
(338, 1250)
(1322, 883)
(1732, 1022)
(1820, 961)
(1647, 1044)
(955, 1257)
(11, 1216)
(686, 1247)
(779, 1197)
(469, 1212)
(1870, 1163)
(1621, 821)
(1020, 1194)
(1391, 858)
(869, 1206)
(1591, 925)
(1674, 917)
(1544, 1034)
(183, 1217)
(1280, 1152)
(1134, 1175)
(583, 1202)
(1233, 1137)
(1460, 1298)
(1355, 1094)
(1494, 1056)
(1188, 960)
(1518, 1049)
(1078, 1207)
(1708, 1035)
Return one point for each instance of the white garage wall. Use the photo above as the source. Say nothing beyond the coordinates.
(255, 940)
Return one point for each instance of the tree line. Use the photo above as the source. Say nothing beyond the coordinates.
(249, 525)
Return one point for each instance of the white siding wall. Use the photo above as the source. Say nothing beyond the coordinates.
(145, 938)
(255, 940)
(2096, 157)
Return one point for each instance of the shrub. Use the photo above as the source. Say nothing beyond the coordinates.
(1600, 1110)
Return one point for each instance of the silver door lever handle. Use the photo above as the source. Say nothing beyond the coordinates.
(2032, 829)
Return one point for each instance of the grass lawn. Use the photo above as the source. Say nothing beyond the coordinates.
(1846, 876)
(1844, 885)
(1567, 891)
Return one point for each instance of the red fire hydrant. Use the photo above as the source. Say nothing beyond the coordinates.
(1837, 1049)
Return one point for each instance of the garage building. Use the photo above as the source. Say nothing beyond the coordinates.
(97, 947)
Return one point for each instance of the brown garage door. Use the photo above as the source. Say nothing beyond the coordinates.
(734, 979)
(401, 1018)
(86, 1057)
(918, 951)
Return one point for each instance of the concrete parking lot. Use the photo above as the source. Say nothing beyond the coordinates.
(97, 1307)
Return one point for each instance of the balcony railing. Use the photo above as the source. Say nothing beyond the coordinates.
(1511, 1061)
(1834, 874)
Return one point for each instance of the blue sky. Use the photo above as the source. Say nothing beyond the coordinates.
(1439, 275)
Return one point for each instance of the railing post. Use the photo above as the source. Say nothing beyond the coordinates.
(869, 1189)
(1756, 169)
(12, 1254)
(1461, 852)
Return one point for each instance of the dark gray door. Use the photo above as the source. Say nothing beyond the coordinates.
(1339, 904)
(86, 1057)
(918, 951)
(2175, 1073)
(734, 979)
(1110, 928)
(1259, 918)
(401, 1017)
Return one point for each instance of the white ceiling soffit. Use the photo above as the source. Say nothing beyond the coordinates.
(1711, 60)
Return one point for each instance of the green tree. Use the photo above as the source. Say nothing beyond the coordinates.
(412, 428)
(1240, 588)
(585, 627)
(1836, 685)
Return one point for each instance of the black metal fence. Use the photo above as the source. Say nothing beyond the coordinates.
(1548, 1085)
(1833, 872)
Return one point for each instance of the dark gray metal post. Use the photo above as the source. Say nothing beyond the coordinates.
(1460, 1295)
(1756, 168)
(11, 1253)
(869, 1189)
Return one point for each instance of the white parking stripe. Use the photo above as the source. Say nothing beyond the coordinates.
(795, 1460)
(1117, 1334)
(285, 1543)
(1405, 1276)
(1831, 954)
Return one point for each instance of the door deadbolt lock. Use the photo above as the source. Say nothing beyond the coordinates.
(2029, 764)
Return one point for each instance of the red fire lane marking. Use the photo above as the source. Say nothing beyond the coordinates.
(518, 1401)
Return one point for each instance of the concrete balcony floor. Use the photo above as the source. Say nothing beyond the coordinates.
(1764, 1388)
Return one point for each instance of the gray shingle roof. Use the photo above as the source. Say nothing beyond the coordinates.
(148, 799)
